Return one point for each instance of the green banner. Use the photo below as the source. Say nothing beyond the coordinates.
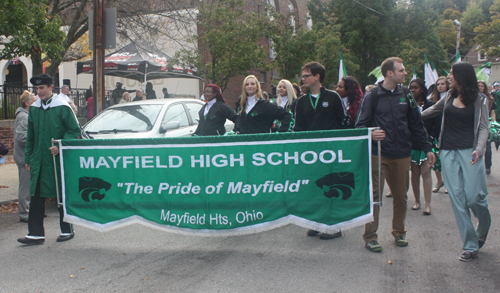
(223, 185)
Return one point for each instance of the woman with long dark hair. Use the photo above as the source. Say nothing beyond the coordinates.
(350, 91)
(418, 156)
(464, 132)
(257, 114)
(214, 113)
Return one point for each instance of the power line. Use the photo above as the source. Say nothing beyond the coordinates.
(368, 8)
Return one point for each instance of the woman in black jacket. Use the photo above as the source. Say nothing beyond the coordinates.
(257, 114)
(214, 114)
(418, 156)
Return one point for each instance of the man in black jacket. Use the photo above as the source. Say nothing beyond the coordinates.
(319, 109)
(395, 112)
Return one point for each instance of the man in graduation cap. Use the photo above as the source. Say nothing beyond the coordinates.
(49, 117)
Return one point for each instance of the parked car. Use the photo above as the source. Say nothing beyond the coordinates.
(148, 118)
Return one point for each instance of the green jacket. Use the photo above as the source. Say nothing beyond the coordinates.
(57, 121)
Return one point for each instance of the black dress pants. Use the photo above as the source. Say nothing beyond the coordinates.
(37, 213)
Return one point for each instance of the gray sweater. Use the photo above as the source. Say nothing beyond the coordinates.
(20, 133)
(481, 124)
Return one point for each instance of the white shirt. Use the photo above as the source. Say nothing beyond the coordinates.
(66, 98)
(346, 102)
(250, 103)
(209, 105)
(283, 100)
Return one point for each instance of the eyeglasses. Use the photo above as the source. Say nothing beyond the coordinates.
(306, 76)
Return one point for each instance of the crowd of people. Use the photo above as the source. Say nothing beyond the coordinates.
(416, 129)
(445, 128)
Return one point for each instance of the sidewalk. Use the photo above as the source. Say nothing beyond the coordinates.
(9, 181)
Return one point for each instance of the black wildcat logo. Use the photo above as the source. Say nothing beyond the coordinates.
(93, 188)
(337, 184)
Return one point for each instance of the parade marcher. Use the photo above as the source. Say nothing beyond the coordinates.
(349, 90)
(125, 98)
(214, 113)
(257, 114)
(392, 108)
(20, 133)
(139, 96)
(285, 98)
(418, 157)
(464, 132)
(150, 92)
(492, 106)
(440, 90)
(495, 93)
(285, 95)
(50, 117)
(117, 93)
(319, 109)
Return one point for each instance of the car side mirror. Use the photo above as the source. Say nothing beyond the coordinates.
(169, 126)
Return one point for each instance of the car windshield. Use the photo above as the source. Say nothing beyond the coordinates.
(133, 118)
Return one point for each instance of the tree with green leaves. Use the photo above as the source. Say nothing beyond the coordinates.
(292, 46)
(29, 30)
(231, 42)
(488, 37)
(472, 17)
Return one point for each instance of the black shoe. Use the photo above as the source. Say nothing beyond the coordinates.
(24, 220)
(312, 233)
(62, 238)
(467, 256)
(325, 236)
(29, 241)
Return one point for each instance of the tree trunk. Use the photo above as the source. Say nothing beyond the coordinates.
(36, 60)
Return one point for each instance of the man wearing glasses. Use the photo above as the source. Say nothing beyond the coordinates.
(319, 109)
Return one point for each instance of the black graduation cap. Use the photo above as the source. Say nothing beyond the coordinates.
(42, 79)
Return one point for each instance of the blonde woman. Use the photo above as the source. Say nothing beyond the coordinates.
(257, 114)
(286, 95)
(125, 98)
(20, 134)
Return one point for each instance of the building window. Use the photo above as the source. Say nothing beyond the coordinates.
(263, 76)
(481, 56)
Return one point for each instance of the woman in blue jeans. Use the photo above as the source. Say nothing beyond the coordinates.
(464, 132)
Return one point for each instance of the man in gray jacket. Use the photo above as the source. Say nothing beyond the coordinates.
(392, 108)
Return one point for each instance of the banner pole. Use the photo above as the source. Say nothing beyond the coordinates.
(59, 204)
(379, 154)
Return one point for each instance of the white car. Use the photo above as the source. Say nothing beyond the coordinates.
(148, 118)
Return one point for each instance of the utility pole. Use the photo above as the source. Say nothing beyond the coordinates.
(99, 87)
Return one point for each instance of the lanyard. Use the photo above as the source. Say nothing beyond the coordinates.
(315, 104)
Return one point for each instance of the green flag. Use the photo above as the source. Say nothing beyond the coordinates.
(484, 72)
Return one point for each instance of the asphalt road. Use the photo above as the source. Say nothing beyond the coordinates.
(141, 259)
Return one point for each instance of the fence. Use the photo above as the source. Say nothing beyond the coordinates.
(9, 99)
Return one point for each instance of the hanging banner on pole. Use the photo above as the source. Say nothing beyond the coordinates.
(225, 185)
